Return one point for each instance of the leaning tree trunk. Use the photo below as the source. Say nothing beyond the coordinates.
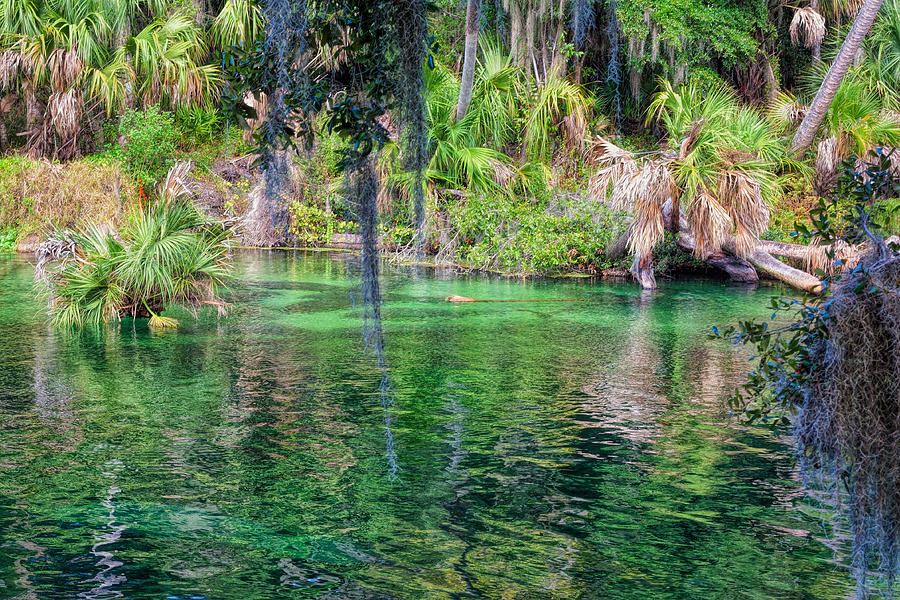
(816, 113)
(473, 21)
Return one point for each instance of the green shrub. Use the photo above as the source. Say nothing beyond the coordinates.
(196, 123)
(520, 237)
(8, 239)
(169, 254)
(150, 143)
(312, 226)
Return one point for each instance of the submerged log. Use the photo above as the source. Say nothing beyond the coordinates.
(467, 299)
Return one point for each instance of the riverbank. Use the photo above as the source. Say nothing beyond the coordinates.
(560, 237)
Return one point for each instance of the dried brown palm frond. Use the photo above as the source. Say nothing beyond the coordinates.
(175, 185)
(808, 27)
(845, 256)
(828, 160)
(64, 110)
(646, 191)
(500, 172)
(710, 223)
(575, 130)
(11, 66)
(7, 102)
(613, 163)
(894, 160)
(786, 111)
(65, 66)
(749, 213)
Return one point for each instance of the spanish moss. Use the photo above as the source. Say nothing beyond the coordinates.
(582, 21)
(362, 183)
(849, 426)
(411, 31)
(284, 43)
(614, 69)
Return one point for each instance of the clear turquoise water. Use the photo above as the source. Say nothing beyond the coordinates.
(547, 450)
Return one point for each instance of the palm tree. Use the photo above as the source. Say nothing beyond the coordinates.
(79, 53)
(817, 110)
(720, 168)
(808, 26)
(239, 23)
(473, 24)
(167, 255)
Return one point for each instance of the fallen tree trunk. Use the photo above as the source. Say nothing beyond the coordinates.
(620, 247)
(774, 268)
(742, 270)
(738, 269)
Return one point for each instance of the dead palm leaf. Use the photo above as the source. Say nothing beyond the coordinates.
(710, 223)
(64, 110)
(828, 159)
(807, 26)
(749, 213)
(11, 65)
(64, 66)
(175, 184)
(648, 190)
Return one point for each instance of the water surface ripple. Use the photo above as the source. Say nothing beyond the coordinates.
(556, 450)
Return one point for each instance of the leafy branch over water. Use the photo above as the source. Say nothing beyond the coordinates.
(834, 363)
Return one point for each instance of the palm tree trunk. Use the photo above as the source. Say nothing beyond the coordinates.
(473, 22)
(32, 107)
(816, 114)
(559, 61)
(817, 50)
(529, 40)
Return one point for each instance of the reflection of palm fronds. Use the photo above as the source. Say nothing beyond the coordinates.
(808, 27)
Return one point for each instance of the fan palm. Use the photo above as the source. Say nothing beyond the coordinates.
(238, 23)
(168, 255)
(721, 168)
(80, 53)
(858, 120)
(558, 103)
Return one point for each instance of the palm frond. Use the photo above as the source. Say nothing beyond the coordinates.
(807, 27)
